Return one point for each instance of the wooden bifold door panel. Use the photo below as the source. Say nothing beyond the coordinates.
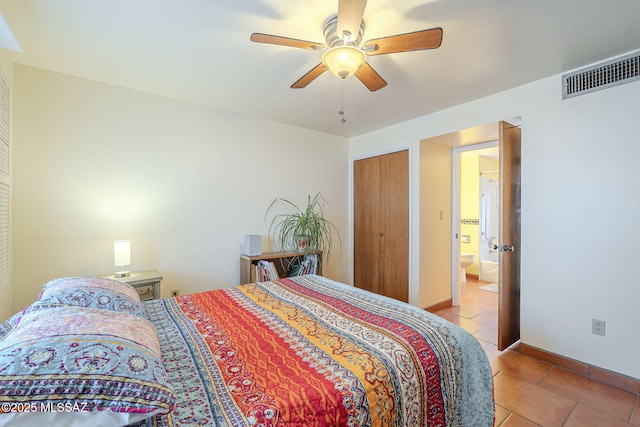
(381, 224)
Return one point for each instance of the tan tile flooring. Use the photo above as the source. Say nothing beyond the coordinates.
(530, 392)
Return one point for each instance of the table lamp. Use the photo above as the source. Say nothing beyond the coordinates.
(122, 256)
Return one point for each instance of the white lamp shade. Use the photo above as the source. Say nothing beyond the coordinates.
(121, 253)
(344, 61)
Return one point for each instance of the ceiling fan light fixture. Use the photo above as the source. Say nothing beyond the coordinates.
(344, 61)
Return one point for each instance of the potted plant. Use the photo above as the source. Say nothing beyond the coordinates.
(303, 229)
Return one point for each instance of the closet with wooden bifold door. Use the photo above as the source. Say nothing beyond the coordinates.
(381, 224)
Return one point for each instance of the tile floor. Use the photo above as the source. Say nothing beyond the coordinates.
(530, 392)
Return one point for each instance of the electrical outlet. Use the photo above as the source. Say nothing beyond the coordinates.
(175, 292)
(597, 327)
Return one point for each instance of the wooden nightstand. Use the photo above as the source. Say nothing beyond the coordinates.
(147, 283)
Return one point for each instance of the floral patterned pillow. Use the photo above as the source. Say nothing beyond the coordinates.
(90, 292)
(72, 365)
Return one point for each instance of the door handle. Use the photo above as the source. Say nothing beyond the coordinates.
(504, 248)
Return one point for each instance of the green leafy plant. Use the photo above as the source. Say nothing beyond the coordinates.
(308, 225)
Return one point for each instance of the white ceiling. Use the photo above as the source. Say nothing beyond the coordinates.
(199, 51)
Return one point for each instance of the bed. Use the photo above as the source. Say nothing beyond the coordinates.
(301, 351)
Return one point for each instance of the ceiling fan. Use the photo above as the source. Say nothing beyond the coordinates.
(345, 54)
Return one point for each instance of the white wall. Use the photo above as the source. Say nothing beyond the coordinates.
(94, 163)
(580, 201)
(435, 224)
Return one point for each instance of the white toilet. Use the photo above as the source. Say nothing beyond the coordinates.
(466, 259)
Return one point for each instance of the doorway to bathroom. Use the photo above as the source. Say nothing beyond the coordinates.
(476, 168)
(479, 212)
(440, 228)
(507, 245)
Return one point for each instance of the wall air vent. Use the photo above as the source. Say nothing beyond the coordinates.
(607, 74)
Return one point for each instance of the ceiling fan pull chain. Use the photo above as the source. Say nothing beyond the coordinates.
(341, 112)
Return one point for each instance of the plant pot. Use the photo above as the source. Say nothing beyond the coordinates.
(302, 241)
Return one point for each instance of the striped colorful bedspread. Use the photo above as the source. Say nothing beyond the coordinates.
(308, 351)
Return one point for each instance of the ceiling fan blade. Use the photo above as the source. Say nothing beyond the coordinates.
(419, 40)
(285, 41)
(310, 76)
(350, 13)
(370, 78)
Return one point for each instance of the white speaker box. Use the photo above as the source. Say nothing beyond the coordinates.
(252, 245)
